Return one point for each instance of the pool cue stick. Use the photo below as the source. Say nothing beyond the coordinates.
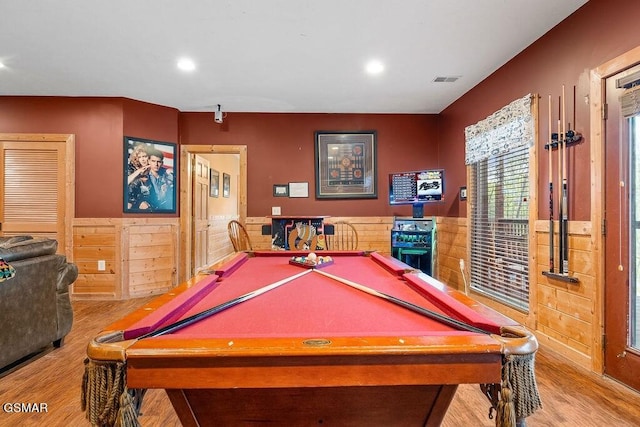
(220, 307)
(560, 224)
(449, 321)
(574, 110)
(551, 226)
(564, 256)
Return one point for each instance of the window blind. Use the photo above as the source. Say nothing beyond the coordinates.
(630, 102)
(499, 212)
(497, 152)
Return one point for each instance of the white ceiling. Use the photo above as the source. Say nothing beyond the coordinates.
(267, 55)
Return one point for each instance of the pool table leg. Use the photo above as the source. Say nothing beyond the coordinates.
(182, 407)
(439, 409)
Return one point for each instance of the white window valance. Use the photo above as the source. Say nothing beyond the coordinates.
(508, 128)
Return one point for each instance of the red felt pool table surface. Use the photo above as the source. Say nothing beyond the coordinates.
(313, 350)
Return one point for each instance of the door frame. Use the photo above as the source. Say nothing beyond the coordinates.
(597, 88)
(186, 196)
(69, 180)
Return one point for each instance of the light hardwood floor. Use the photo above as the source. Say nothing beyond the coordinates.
(570, 395)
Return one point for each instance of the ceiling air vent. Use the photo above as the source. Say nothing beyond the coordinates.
(449, 79)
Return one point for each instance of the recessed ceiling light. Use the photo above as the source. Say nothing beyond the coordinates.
(374, 67)
(186, 64)
(1, 65)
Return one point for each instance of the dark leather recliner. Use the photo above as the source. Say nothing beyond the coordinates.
(35, 308)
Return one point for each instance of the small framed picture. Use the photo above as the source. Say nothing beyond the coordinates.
(280, 190)
(298, 189)
(226, 184)
(214, 183)
(463, 193)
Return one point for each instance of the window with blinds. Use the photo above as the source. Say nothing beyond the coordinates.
(499, 262)
(498, 156)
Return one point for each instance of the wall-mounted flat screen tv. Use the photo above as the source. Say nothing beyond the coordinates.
(416, 187)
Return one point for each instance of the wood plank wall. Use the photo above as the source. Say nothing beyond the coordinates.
(93, 241)
(219, 244)
(451, 242)
(564, 316)
(374, 233)
(567, 320)
(140, 257)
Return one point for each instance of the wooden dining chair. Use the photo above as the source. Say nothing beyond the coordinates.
(344, 238)
(239, 236)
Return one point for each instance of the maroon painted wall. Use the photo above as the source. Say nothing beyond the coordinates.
(280, 150)
(599, 31)
(281, 146)
(149, 121)
(98, 125)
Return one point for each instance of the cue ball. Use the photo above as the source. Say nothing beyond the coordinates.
(312, 256)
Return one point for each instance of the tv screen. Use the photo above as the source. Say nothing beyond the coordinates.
(416, 187)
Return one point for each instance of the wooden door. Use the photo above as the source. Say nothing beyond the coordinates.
(200, 212)
(622, 239)
(35, 186)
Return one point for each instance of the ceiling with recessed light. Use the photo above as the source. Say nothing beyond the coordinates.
(267, 56)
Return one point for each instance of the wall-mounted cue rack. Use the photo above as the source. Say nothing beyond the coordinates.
(560, 141)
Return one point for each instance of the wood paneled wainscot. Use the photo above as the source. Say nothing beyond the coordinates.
(563, 315)
(140, 257)
(567, 319)
(451, 242)
(374, 233)
(220, 245)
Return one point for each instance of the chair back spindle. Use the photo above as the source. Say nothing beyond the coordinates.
(239, 236)
(345, 237)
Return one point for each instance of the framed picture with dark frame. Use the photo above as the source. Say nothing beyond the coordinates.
(280, 190)
(214, 183)
(226, 184)
(346, 165)
(150, 176)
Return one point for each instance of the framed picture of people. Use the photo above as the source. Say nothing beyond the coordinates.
(150, 169)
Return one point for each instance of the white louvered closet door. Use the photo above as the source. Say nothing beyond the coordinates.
(32, 190)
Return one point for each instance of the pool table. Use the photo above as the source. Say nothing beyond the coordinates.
(311, 350)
